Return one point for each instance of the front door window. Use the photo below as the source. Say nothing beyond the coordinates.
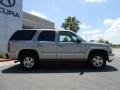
(65, 36)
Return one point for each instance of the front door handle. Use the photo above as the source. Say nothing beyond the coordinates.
(39, 45)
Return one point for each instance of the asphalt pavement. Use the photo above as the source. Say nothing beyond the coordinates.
(60, 76)
(116, 52)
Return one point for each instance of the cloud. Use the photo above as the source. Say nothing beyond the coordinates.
(110, 33)
(113, 32)
(95, 1)
(39, 14)
(84, 26)
(91, 34)
(108, 21)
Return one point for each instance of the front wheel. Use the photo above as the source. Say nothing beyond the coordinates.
(97, 61)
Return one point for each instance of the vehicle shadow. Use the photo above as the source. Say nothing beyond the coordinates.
(59, 67)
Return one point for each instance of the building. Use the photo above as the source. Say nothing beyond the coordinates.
(31, 21)
(12, 18)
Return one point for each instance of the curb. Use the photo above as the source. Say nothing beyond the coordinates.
(6, 60)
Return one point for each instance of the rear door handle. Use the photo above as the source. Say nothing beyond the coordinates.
(61, 46)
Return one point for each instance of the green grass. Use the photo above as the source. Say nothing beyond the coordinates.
(115, 46)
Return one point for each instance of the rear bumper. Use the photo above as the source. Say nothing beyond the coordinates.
(111, 57)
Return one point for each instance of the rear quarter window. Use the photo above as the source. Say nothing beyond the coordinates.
(23, 35)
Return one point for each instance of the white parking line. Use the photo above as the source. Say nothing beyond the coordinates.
(6, 63)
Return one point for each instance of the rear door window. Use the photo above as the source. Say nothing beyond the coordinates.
(47, 36)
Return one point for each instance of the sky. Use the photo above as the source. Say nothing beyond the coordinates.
(99, 18)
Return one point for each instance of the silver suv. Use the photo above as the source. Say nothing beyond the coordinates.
(31, 46)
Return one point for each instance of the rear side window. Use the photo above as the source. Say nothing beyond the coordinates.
(47, 36)
(23, 35)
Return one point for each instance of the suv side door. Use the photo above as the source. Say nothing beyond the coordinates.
(68, 47)
(47, 44)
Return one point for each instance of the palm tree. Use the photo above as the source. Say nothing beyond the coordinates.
(71, 23)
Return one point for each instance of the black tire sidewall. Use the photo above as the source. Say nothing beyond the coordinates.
(28, 55)
(102, 56)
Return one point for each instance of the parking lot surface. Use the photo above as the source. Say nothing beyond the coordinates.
(60, 76)
(116, 52)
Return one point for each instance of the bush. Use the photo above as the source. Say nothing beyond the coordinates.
(1, 55)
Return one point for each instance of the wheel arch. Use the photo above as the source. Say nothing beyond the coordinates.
(28, 51)
(100, 51)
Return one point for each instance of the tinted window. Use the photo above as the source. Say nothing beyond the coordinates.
(47, 36)
(23, 35)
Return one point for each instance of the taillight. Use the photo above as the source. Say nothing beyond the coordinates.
(8, 46)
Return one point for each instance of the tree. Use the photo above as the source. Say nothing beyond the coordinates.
(103, 41)
(107, 42)
(71, 23)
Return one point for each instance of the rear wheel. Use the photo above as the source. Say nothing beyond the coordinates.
(97, 61)
(29, 61)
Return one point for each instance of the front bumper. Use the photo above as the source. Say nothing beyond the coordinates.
(111, 57)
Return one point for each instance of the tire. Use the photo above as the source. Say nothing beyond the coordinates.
(29, 61)
(97, 61)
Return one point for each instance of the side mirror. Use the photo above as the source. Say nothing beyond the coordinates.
(78, 40)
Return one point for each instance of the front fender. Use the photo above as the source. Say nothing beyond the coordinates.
(92, 49)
